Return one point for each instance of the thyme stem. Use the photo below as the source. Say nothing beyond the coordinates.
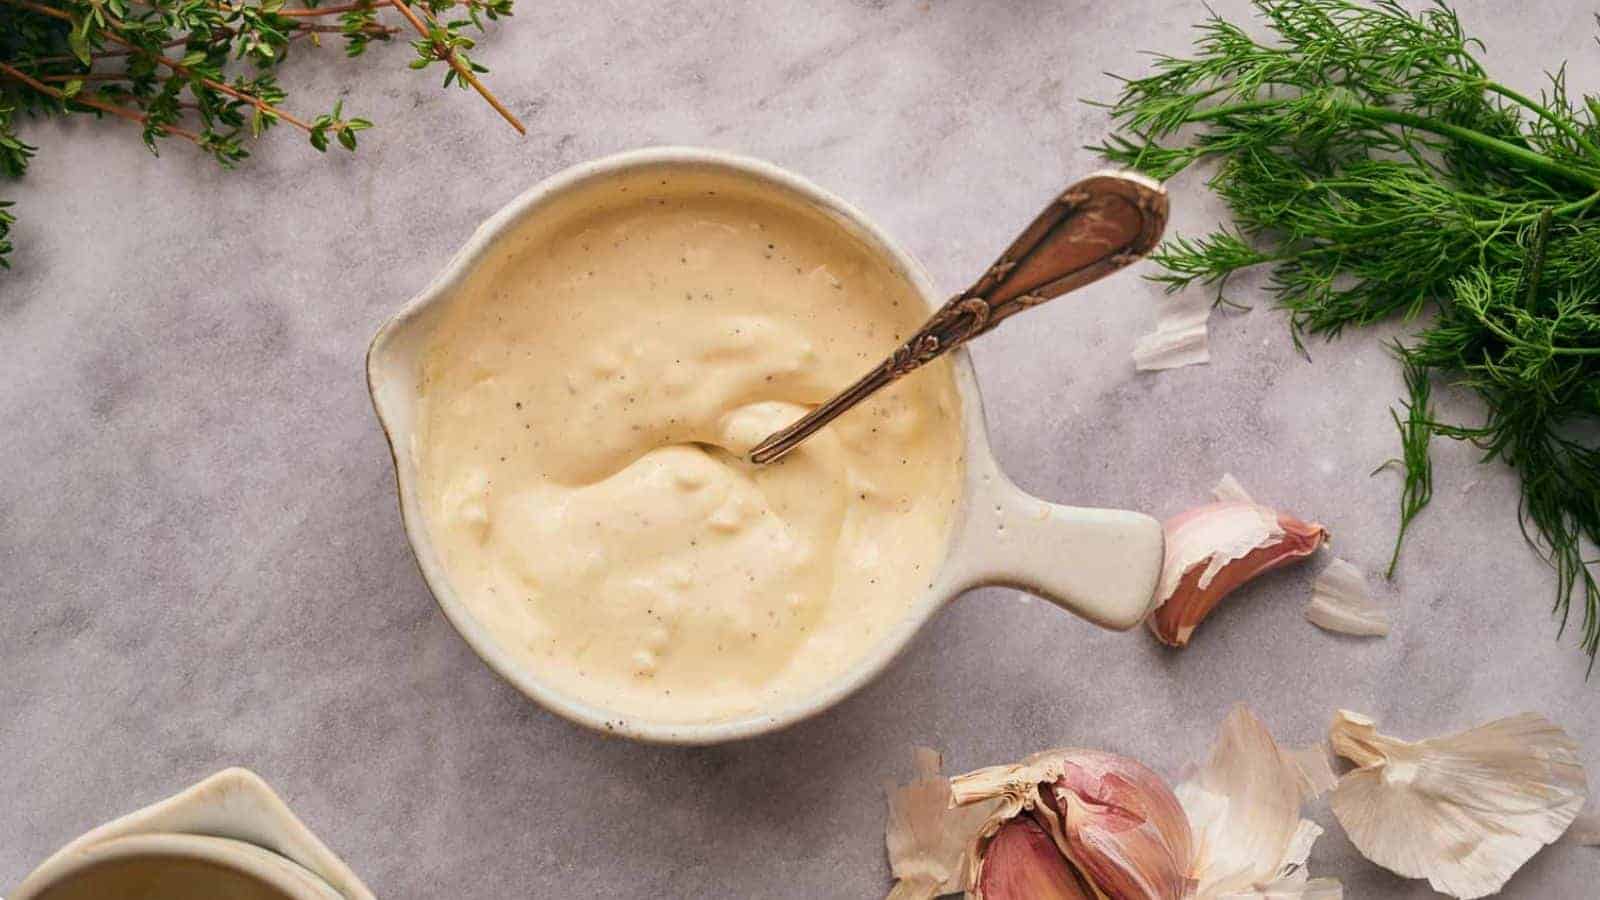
(94, 103)
(465, 72)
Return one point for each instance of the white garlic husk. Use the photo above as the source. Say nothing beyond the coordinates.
(928, 838)
(1244, 805)
(1464, 811)
(1340, 602)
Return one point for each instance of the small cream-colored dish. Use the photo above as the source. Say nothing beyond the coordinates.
(1100, 564)
(228, 836)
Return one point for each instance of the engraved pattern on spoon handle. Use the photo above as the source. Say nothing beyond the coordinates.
(1096, 227)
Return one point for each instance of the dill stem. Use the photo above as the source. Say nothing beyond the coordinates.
(1220, 112)
(1544, 113)
(1468, 136)
(1575, 206)
(1551, 349)
(1509, 150)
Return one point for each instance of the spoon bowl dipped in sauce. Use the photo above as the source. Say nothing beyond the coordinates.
(572, 405)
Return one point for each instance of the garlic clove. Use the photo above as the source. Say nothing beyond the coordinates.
(1021, 862)
(1464, 811)
(1122, 826)
(1118, 823)
(1340, 602)
(1213, 549)
(927, 839)
(1244, 807)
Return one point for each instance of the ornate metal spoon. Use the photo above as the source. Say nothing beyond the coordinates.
(1095, 227)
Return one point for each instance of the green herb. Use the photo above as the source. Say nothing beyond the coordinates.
(202, 70)
(1377, 170)
(1416, 431)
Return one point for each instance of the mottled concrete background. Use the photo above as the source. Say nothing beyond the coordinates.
(201, 562)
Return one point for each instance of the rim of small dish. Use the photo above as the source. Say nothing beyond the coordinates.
(976, 454)
(277, 872)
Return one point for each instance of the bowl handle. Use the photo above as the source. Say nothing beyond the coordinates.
(1101, 564)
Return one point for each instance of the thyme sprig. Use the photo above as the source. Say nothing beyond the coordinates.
(1374, 167)
(203, 70)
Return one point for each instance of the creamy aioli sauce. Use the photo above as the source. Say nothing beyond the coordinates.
(586, 402)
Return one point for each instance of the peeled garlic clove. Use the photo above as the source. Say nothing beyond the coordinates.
(1464, 811)
(1244, 806)
(1021, 862)
(1213, 549)
(1117, 822)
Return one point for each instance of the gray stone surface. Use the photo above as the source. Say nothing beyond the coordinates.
(202, 559)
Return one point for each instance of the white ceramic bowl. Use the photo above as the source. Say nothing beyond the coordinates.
(1101, 564)
(229, 835)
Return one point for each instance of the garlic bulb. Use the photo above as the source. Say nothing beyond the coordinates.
(1081, 823)
(1464, 811)
(927, 839)
(1114, 820)
(1339, 602)
(1244, 806)
(1213, 549)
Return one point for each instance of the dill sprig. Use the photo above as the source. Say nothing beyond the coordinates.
(1416, 432)
(1371, 163)
(202, 70)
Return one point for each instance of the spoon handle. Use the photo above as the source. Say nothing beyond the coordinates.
(1094, 228)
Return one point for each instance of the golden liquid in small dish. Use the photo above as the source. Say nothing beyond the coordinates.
(161, 878)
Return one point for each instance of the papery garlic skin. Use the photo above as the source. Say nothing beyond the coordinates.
(1244, 806)
(1464, 811)
(1213, 549)
(1116, 821)
(1229, 489)
(1340, 602)
(1022, 862)
(1316, 889)
(1585, 830)
(927, 840)
(1179, 339)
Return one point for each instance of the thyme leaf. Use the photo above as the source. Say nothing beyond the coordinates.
(203, 70)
